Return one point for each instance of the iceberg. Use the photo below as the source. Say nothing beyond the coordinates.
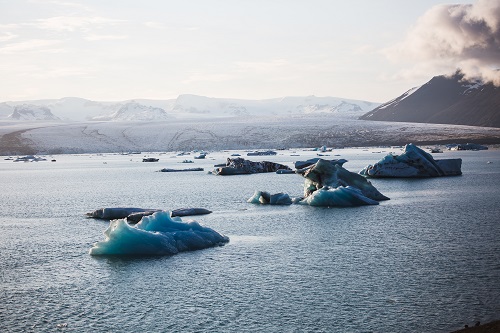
(309, 162)
(340, 197)
(157, 234)
(134, 215)
(240, 166)
(413, 163)
(113, 213)
(262, 197)
(329, 184)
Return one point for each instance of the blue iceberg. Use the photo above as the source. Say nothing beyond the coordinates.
(157, 234)
(338, 197)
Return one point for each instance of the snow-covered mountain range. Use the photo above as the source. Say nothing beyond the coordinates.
(31, 112)
(187, 106)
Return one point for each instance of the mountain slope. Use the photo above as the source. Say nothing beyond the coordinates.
(444, 100)
(32, 112)
(132, 111)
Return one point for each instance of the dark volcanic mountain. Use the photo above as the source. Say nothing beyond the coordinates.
(444, 100)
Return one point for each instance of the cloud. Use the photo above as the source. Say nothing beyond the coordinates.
(34, 45)
(200, 77)
(73, 23)
(93, 37)
(6, 36)
(455, 36)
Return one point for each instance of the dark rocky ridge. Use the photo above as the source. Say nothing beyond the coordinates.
(444, 100)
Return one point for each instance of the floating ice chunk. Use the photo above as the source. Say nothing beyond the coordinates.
(157, 234)
(112, 213)
(326, 174)
(338, 197)
(240, 166)
(262, 197)
(413, 162)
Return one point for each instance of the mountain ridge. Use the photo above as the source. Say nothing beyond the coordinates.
(189, 106)
(444, 100)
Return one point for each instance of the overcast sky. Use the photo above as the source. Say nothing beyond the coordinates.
(252, 49)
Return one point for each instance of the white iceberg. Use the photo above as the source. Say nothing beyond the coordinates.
(157, 234)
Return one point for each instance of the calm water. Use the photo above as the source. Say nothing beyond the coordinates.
(428, 260)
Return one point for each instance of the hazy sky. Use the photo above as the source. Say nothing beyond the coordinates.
(252, 49)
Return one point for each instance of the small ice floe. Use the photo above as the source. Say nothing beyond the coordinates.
(157, 234)
(262, 153)
(240, 166)
(180, 170)
(30, 158)
(262, 197)
(201, 156)
(134, 215)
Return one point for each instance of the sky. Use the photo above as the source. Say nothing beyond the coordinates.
(110, 50)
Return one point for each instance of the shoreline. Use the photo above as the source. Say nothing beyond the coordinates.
(491, 327)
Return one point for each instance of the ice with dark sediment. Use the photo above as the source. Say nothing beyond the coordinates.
(413, 163)
(327, 184)
(330, 184)
(263, 197)
(240, 166)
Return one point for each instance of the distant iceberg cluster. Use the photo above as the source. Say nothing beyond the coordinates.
(157, 234)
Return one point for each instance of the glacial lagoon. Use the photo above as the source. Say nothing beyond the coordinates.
(426, 260)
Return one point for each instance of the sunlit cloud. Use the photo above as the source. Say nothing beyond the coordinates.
(262, 66)
(202, 77)
(455, 36)
(34, 45)
(73, 23)
(6, 36)
(62, 3)
(155, 25)
(93, 37)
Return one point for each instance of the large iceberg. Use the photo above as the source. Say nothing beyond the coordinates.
(413, 163)
(157, 234)
(329, 184)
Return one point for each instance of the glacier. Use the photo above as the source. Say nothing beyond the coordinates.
(412, 163)
(157, 234)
